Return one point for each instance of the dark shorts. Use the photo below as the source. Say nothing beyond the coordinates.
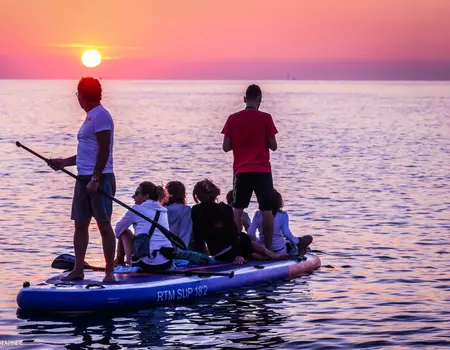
(244, 184)
(86, 205)
(245, 243)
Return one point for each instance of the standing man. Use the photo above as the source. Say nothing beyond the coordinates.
(94, 161)
(250, 133)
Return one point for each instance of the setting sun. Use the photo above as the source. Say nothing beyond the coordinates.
(91, 58)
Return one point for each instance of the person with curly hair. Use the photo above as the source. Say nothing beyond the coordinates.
(215, 230)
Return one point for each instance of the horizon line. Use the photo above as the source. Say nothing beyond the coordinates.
(208, 79)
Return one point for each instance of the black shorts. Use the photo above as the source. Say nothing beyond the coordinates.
(86, 205)
(245, 243)
(244, 184)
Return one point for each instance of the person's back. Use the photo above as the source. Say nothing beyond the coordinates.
(180, 222)
(250, 134)
(249, 130)
(213, 224)
(281, 231)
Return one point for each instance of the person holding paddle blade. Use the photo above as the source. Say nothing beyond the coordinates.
(94, 161)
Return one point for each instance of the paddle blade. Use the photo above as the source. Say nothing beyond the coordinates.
(67, 262)
(62, 265)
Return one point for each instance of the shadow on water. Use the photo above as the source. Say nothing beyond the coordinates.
(242, 319)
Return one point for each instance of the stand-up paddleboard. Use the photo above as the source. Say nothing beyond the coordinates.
(135, 290)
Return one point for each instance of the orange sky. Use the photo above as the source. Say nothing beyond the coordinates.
(229, 38)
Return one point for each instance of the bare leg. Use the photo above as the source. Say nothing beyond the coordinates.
(120, 255)
(237, 218)
(80, 243)
(267, 228)
(109, 249)
(259, 249)
(127, 241)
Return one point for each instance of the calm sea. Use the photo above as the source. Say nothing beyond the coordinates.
(363, 166)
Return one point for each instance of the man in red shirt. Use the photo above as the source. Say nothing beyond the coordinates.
(250, 133)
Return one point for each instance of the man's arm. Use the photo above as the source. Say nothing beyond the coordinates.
(271, 131)
(272, 143)
(104, 143)
(71, 161)
(58, 163)
(226, 146)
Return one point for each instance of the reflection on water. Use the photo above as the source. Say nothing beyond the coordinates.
(363, 167)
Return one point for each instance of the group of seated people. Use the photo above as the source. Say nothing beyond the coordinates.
(208, 227)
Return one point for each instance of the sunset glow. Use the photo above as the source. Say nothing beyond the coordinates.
(91, 58)
(205, 39)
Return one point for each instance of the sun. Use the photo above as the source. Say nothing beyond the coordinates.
(91, 58)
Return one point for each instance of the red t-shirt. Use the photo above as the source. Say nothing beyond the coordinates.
(249, 131)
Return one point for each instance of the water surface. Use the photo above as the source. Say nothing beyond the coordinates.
(363, 166)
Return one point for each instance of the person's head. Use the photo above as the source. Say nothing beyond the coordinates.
(276, 202)
(205, 191)
(89, 93)
(177, 192)
(230, 198)
(148, 190)
(253, 96)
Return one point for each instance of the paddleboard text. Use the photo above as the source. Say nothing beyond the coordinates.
(181, 293)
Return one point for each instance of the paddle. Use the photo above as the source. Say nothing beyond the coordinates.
(175, 240)
(67, 262)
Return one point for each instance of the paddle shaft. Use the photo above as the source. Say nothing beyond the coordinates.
(174, 272)
(69, 262)
(170, 236)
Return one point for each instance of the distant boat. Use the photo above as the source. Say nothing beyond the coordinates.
(289, 77)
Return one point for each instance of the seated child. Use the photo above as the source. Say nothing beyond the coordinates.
(215, 231)
(281, 231)
(179, 213)
(147, 198)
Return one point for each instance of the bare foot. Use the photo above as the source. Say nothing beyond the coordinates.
(109, 277)
(73, 276)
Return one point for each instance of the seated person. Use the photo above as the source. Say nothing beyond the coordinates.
(245, 218)
(214, 229)
(179, 213)
(147, 200)
(281, 231)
